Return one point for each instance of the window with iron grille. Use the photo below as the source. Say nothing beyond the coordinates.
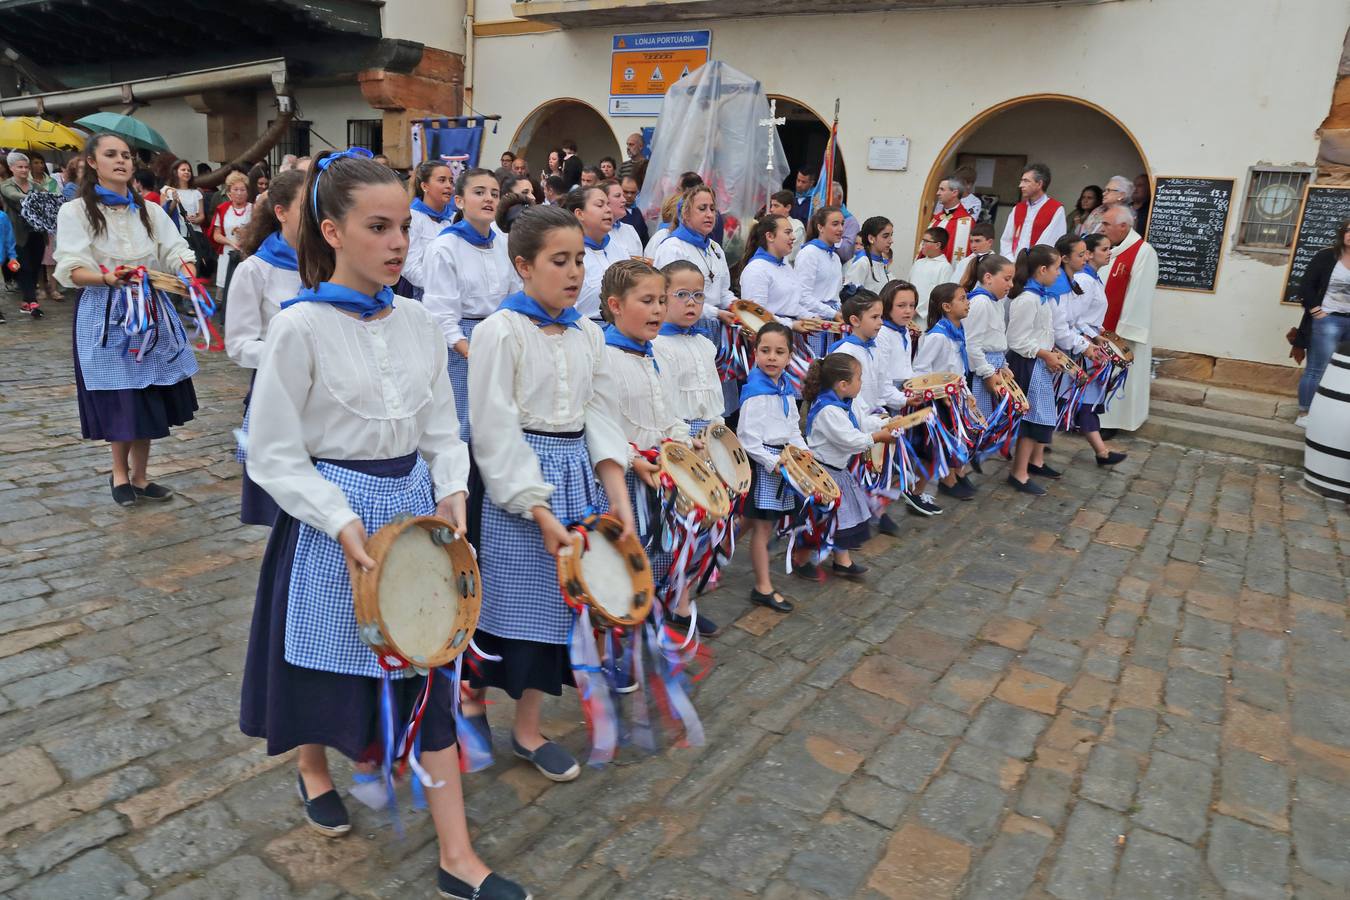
(368, 133)
(294, 140)
(1270, 211)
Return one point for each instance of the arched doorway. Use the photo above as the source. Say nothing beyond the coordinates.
(1081, 142)
(804, 136)
(557, 120)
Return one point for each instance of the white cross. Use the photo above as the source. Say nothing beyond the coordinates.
(769, 123)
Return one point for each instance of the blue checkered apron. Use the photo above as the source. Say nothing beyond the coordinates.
(697, 426)
(1041, 396)
(108, 354)
(768, 491)
(521, 598)
(985, 400)
(320, 618)
(458, 368)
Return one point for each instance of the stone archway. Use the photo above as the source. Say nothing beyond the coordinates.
(554, 121)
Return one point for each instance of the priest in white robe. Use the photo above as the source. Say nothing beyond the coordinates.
(1131, 279)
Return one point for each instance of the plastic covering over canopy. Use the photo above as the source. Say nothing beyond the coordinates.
(715, 122)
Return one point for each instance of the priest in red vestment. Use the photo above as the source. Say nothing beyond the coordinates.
(953, 218)
(1130, 281)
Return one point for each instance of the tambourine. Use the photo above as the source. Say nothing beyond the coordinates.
(1008, 387)
(935, 386)
(419, 604)
(806, 476)
(723, 453)
(1071, 368)
(974, 414)
(1117, 348)
(608, 573)
(750, 315)
(696, 486)
(166, 282)
(908, 420)
(646, 259)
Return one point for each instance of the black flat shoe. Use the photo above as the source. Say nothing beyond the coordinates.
(326, 813)
(706, 626)
(155, 493)
(806, 570)
(122, 494)
(1027, 487)
(887, 526)
(1043, 472)
(975, 465)
(852, 570)
(494, 887)
(775, 601)
(1110, 459)
(552, 761)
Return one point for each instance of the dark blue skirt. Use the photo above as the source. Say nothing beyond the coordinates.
(256, 506)
(288, 705)
(130, 415)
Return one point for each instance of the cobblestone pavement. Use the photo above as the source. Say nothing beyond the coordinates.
(1134, 687)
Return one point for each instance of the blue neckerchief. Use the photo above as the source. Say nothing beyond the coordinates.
(759, 384)
(1061, 285)
(277, 253)
(981, 291)
(596, 245)
(869, 345)
(957, 335)
(462, 229)
(669, 329)
(768, 257)
(526, 305)
(829, 398)
(1045, 292)
(345, 298)
(817, 242)
(874, 258)
(859, 254)
(323, 164)
(108, 198)
(616, 338)
(1092, 272)
(438, 217)
(689, 236)
(900, 329)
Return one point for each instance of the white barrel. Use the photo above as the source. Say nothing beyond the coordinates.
(1326, 455)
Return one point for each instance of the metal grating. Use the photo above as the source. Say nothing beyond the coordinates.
(368, 133)
(295, 140)
(1270, 211)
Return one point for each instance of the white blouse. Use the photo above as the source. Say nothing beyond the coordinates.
(1088, 311)
(656, 241)
(124, 241)
(878, 388)
(776, 288)
(256, 293)
(937, 353)
(423, 230)
(712, 262)
(645, 411)
(689, 371)
(1067, 337)
(925, 275)
(628, 239)
(834, 439)
(521, 377)
(895, 355)
(597, 263)
(986, 332)
(465, 282)
(332, 386)
(821, 274)
(868, 273)
(1031, 324)
(763, 424)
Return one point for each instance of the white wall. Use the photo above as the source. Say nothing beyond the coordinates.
(182, 126)
(436, 23)
(327, 109)
(1205, 90)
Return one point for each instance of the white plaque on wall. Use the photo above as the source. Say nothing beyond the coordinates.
(888, 154)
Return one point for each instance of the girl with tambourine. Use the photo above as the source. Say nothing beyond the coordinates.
(268, 277)
(352, 425)
(550, 452)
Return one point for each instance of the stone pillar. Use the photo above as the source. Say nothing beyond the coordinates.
(433, 88)
(231, 121)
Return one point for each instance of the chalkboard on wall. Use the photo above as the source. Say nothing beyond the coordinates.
(1323, 209)
(1186, 225)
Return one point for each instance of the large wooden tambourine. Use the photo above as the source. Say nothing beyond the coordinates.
(420, 602)
(1117, 348)
(696, 484)
(723, 452)
(608, 573)
(808, 476)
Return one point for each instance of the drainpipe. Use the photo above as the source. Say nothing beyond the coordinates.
(469, 10)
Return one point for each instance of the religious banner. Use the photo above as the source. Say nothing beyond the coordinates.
(716, 122)
(455, 139)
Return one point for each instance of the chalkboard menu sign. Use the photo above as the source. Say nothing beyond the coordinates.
(1186, 226)
(1323, 209)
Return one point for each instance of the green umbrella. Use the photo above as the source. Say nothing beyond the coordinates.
(134, 131)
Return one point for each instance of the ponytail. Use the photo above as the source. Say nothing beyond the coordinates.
(1029, 262)
(818, 219)
(942, 295)
(984, 264)
(759, 235)
(856, 303)
(329, 186)
(281, 191)
(822, 375)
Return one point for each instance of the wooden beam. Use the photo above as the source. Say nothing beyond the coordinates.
(511, 27)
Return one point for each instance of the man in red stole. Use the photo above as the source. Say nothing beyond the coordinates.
(1130, 280)
(1038, 219)
(954, 218)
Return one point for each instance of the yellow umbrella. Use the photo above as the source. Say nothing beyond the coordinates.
(30, 133)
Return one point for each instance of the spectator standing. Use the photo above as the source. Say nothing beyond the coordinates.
(1119, 191)
(571, 164)
(1143, 190)
(1088, 200)
(1325, 294)
(633, 146)
(29, 245)
(227, 225)
(801, 201)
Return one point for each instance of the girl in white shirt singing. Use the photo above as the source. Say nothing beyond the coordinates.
(819, 269)
(432, 208)
(353, 424)
(871, 266)
(590, 206)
